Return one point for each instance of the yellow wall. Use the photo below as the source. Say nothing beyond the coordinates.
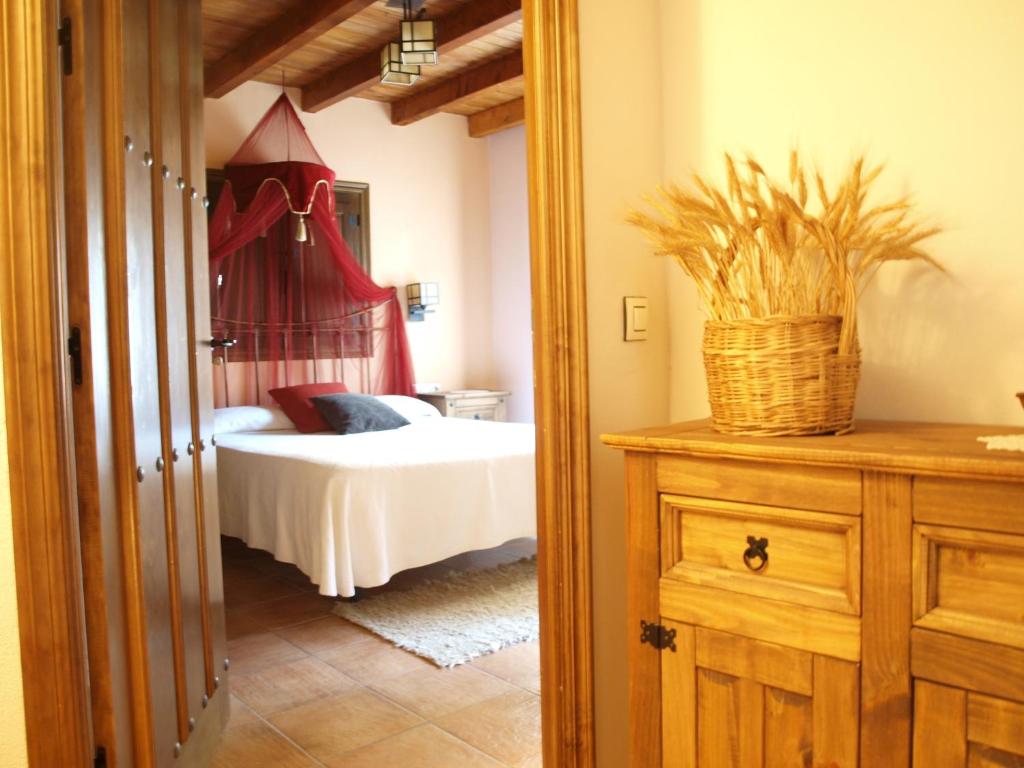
(628, 380)
(12, 711)
(931, 88)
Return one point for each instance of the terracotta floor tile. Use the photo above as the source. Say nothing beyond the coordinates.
(284, 571)
(324, 635)
(329, 728)
(240, 714)
(288, 685)
(507, 727)
(373, 660)
(257, 745)
(238, 625)
(518, 664)
(239, 593)
(422, 747)
(236, 570)
(286, 611)
(255, 652)
(434, 692)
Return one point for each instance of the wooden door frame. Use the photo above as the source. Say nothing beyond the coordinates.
(561, 389)
(49, 608)
(48, 583)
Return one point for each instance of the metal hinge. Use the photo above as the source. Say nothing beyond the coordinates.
(75, 351)
(100, 760)
(64, 41)
(657, 636)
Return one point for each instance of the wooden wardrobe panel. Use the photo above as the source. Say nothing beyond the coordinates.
(152, 542)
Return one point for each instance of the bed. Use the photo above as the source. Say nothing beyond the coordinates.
(353, 510)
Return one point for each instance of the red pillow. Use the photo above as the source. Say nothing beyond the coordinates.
(295, 402)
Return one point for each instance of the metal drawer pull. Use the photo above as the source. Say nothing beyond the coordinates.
(755, 557)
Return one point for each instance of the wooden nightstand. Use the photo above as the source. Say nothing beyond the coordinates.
(479, 404)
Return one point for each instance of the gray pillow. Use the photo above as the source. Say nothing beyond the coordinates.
(349, 414)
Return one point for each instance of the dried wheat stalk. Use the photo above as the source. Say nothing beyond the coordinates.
(756, 250)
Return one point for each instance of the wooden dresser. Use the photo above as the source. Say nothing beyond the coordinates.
(825, 601)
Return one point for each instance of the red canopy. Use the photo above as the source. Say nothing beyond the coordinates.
(285, 284)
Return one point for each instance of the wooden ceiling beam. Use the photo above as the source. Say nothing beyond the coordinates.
(463, 25)
(432, 100)
(497, 118)
(305, 21)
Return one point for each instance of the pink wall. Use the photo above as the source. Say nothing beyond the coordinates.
(512, 346)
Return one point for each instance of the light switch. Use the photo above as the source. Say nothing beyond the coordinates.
(635, 316)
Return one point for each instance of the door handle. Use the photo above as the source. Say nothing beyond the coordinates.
(225, 342)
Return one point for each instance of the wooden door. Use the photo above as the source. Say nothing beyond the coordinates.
(733, 701)
(143, 410)
(171, 388)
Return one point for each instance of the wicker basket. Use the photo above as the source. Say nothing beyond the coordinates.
(782, 375)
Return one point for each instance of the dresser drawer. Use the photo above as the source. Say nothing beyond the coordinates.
(810, 558)
(991, 506)
(969, 583)
(823, 489)
(478, 412)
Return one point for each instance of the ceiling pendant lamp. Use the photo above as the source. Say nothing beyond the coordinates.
(419, 44)
(393, 70)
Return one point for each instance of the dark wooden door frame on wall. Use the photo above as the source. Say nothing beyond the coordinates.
(48, 589)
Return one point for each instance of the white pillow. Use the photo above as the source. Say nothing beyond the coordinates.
(249, 418)
(411, 408)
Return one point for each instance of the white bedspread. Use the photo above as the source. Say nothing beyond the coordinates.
(352, 510)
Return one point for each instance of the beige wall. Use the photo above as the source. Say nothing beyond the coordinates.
(429, 214)
(931, 88)
(620, 103)
(12, 710)
(510, 271)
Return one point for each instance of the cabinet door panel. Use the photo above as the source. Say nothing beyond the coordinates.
(788, 730)
(729, 701)
(940, 726)
(981, 756)
(730, 720)
(836, 712)
(954, 728)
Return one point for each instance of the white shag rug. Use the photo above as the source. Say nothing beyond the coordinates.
(458, 618)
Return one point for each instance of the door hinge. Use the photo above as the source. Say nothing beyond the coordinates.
(75, 351)
(658, 636)
(64, 41)
(100, 760)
